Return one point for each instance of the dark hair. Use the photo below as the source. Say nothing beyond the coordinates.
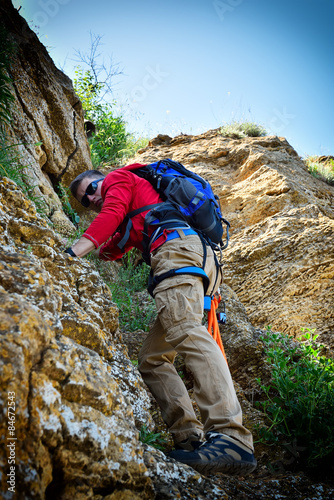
(94, 174)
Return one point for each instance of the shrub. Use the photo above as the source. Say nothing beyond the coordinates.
(111, 143)
(321, 170)
(110, 140)
(239, 130)
(111, 136)
(300, 397)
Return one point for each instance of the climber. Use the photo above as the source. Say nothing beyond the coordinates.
(220, 443)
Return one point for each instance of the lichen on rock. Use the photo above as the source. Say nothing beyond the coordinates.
(79, 400)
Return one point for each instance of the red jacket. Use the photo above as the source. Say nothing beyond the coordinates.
(122, 191)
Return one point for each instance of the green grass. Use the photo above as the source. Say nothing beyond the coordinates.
(75, 237)
(321, 170)
(132, 146)
(64, 194)
(299, 400)
(11, 166)
(136, 306)
(9, 163)
(239, 130)
(7, 49)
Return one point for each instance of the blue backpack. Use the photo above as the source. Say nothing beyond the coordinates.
(188, 201)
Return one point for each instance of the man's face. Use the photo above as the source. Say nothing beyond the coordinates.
(95, 198)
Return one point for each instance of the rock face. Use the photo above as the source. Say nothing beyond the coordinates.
(47, 110)
(280, 260)
(58, 335)
(78, 398)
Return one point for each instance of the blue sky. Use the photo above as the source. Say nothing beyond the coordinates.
(193, 65)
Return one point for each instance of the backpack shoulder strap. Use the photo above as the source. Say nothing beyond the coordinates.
(121, 244)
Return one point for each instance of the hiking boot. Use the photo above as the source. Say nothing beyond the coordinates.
(189, 444)
(220, 453)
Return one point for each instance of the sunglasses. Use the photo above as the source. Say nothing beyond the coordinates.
(91, 188)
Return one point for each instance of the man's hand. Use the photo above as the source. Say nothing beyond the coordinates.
(83, 247)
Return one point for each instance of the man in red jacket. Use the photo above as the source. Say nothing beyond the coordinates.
(220, 443)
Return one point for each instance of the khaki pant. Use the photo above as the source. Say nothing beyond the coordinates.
(178, 329)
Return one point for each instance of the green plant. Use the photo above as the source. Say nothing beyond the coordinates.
(9, 163)
(38, 200)
(151, 438)
(134, 312)
(89, 91)
(136, 308)
(133, 272)
(111, 142)
(300, 397)
(133, 145)
(239, 130)
(11, 166)
(75, 237)
(7, 49)
(321, 170)
(10, 159)
(64, 195)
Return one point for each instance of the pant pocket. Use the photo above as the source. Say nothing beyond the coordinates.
(181, 303)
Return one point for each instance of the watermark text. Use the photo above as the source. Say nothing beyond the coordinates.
(224, 7)
(152, 79)
(49, 9)
(280, 120)
(11, 441)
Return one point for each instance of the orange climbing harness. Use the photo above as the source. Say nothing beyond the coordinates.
(213, 327)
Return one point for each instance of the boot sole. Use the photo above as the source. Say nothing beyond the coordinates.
(226, 467)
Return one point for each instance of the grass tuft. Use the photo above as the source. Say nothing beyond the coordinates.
(240, 130)
(323, 170)
(11, 166)
(136, 307)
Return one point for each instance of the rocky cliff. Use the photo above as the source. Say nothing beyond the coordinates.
(79, 401)
(46, 111)
(71, 399)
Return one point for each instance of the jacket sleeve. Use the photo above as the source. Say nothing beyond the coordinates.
(118, 189)
(110, 250)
